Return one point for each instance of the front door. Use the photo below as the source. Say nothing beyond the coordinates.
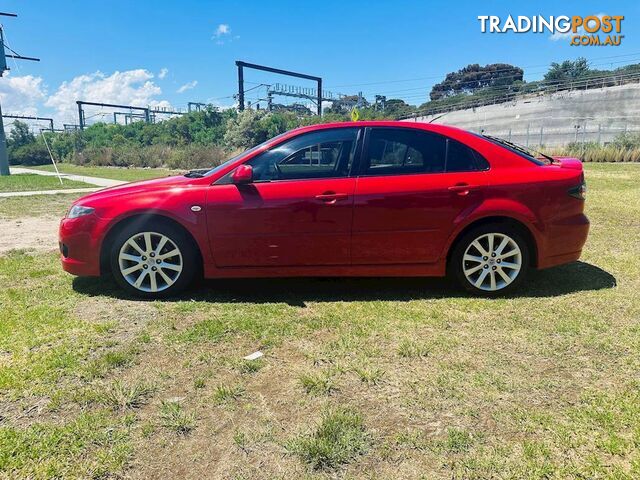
(412, 186)
(298, 210)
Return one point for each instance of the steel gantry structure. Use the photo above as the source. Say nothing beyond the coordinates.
(27, 117)
(195, 106)
(147, 114)
(242, 65)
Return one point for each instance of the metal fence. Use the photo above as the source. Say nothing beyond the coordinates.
(537, 134)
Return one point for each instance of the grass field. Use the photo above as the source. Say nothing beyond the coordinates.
(115, 173)
(27, 182)
(37, 206)
(361, 378)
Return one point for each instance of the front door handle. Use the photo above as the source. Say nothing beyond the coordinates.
(330, 197)
(462, 189)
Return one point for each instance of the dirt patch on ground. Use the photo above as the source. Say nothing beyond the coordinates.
(33, 233)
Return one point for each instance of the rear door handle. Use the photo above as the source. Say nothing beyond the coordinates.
(331, 197)
(463, 189)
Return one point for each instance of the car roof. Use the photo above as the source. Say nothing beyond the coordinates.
(432, 127)
(498, 154)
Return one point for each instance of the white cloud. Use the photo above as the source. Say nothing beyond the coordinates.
(163, 73)
(21, 95)
(579, 31)
(187, 86)
(223, 34)
(223, 29)
(131, 87)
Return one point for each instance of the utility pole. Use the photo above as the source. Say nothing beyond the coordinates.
(4, 158)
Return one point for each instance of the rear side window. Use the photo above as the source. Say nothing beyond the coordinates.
(396, 151)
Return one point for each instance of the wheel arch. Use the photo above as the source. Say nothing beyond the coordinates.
(499, 219)
(141, 219)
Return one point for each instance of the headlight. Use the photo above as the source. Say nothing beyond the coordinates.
(78, 211)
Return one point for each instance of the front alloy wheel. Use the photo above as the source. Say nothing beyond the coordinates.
(154, 260)
(150, 262)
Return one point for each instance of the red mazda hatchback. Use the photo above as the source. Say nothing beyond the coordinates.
(346, 199)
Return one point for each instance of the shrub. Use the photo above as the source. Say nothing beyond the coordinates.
(593, 152)
(35, 153)
(178, 158)
(194, 156)
(627, 140)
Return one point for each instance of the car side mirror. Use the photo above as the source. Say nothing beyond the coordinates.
(242, 175)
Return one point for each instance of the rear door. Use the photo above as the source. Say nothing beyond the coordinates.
(298, 210)
(412, 186)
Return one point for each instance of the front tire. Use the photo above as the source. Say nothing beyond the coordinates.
(154, 260)
(491, 260)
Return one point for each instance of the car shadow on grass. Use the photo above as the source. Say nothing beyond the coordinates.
(566, 279)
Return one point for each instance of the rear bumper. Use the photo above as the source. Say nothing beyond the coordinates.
(564, 241)
(80, 246)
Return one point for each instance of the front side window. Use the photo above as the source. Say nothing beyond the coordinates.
(321, 154)
(396, 151)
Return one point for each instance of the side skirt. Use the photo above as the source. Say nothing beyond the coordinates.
(404, 270)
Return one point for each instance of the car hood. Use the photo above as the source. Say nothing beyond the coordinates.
(146, 186)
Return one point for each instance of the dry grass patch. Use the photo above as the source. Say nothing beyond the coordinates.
(174, 417)
(437, 384)
(339, 439)
(126, 395)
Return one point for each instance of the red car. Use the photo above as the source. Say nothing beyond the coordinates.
(344, 199)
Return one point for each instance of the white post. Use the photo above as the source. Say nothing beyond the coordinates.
(51, 155)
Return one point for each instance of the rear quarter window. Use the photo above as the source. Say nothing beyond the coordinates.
(461, 158)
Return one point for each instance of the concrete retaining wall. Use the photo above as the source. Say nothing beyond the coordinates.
(596, 115)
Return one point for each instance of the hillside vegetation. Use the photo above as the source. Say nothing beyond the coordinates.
(205, 138)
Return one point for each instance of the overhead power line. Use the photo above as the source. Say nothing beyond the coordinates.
(431, 77)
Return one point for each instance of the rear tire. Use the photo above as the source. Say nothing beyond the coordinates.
(490, 260)
(153, 260)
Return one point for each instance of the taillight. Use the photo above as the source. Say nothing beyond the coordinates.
(579, 192)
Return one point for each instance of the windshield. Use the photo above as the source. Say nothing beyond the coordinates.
(234, 158)
(530, 154)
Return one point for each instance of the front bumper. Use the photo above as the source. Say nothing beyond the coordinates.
(80, 245)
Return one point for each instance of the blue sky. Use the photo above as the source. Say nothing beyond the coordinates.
(169, 53)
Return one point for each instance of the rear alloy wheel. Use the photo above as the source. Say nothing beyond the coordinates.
(153, 262)
(491, 260)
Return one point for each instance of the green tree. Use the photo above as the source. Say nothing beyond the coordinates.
(20, 135)
(395, 108)
(567, 71)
